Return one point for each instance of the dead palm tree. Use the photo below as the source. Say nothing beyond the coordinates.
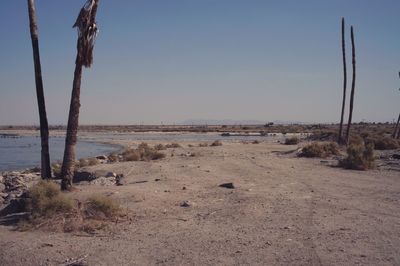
(396, 132)
(353, 84)
(87, 32)
(44, 128)
(340, 138)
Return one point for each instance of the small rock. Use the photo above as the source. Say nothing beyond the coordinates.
(396, 156)
(185, 204)
(102, 157)
(2, 187)
(184, 188)
(120, 180)
(227, 185)
(111, 174)
(3, 195)
(157, 179)
(1, 179)
(83, 176)
(104, 181)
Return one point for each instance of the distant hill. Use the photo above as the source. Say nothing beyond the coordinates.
(232, 122)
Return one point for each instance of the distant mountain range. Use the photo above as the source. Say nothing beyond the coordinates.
(232, 122)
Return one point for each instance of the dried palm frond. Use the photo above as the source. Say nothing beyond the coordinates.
(87, 32)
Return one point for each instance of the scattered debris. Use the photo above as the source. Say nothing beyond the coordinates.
(120, 180)
(185, 204)
(227, 185)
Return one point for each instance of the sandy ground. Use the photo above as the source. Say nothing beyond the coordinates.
(283, 211)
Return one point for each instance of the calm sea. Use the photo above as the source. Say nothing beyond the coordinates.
(24, 152)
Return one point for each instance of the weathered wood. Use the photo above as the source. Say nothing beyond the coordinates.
(353, 85)
(44, 128)
(340, 137)
(396, 132)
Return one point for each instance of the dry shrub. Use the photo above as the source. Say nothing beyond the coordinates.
(216, 143)
(383, 143)
(143, 153)
(82, 163)
(359, 157)
(92, 161)
(45, 199)
(100, 207)
(131, 155)
(113, 157)
(52, 210)
(292, 141)
(56, 168)
(256, 142)
(321, 150)
(160, 147)
(203, 145)
(173, 145)
(356, 140)
(324, 135)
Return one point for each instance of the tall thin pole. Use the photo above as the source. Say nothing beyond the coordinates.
(353, 85)
(44, 127)
(340, 138)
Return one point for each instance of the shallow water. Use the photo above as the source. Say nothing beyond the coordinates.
(24, 152)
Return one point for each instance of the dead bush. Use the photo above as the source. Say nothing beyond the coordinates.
(160, 147)
(292, 141)
(100, 207)
(173, 145)
(256, 142)
(321, 150)
(383, 143)
(216, 143)
(142, 153)
(359, 157)
(131, 155)
(203, 145)
(45, 199)
(113, 157)
(92, 161)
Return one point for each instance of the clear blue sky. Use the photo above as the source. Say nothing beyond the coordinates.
(168, 61)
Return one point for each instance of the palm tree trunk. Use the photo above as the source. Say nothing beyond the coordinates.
(44, 128)
(68, 166)
(340, 137)
(353, 85)
(87, 31)
(396, 132)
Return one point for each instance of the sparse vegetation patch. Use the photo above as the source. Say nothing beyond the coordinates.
(321, 150)
(292, 141)
(359, 157)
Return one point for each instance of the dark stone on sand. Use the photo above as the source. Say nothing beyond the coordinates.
(227, 185)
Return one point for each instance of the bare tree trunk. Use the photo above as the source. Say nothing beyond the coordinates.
(68, 166)
(44, 128)
(87, 31)
(353, 85)
(340, 137)
(396, 132)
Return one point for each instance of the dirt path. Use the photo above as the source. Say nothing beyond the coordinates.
(283, 211)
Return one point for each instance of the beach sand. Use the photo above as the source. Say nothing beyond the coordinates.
(284, 210)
